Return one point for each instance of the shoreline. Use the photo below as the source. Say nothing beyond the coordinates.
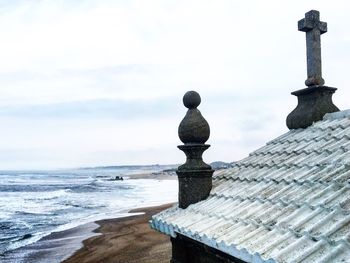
(60, 245)
(55, 246)
(121, 239)
(126, 239)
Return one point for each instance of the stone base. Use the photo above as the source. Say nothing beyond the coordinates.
(313, 103)
(194, 186)
(186, 250)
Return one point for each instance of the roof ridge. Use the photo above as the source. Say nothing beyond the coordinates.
(279, 152)
(280, 165)
(337, 115)
(316, 139)
(314, 128)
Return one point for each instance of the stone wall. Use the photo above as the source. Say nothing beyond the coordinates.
(186, 250)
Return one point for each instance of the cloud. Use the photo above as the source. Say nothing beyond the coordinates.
(97, 79)
(93, 109)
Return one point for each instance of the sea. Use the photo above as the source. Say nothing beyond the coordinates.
(35, 204)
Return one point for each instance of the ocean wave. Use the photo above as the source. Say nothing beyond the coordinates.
(6, 225)
(14, 224)
(30, 188)
(93, 186)
(82, 205)
(50, 195)
(16, 238)
(27, 213)
(22, 241)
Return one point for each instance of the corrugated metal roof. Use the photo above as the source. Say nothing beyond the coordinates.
(289, 201)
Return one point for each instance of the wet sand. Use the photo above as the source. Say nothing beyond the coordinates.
(125, 240)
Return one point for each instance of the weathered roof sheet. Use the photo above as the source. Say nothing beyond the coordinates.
(289, 201)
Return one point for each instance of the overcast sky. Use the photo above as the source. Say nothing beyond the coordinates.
(89, 83)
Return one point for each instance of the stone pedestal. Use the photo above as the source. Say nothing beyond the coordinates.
(313, 103)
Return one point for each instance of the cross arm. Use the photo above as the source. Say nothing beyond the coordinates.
(312, 21)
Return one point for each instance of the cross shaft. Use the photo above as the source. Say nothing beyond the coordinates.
(313, 28)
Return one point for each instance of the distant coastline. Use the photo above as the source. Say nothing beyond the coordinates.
(138, 166)
(164, 167)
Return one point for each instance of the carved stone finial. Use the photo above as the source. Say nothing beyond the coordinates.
(195, 175)
(316, 100)
(191, 99)
(193, 128)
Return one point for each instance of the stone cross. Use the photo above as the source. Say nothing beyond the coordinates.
(313, 27)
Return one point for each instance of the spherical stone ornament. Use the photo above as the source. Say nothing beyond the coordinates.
(193, 128)
(191, 99)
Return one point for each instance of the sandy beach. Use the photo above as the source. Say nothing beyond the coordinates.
(125, 240)
(120, 236)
